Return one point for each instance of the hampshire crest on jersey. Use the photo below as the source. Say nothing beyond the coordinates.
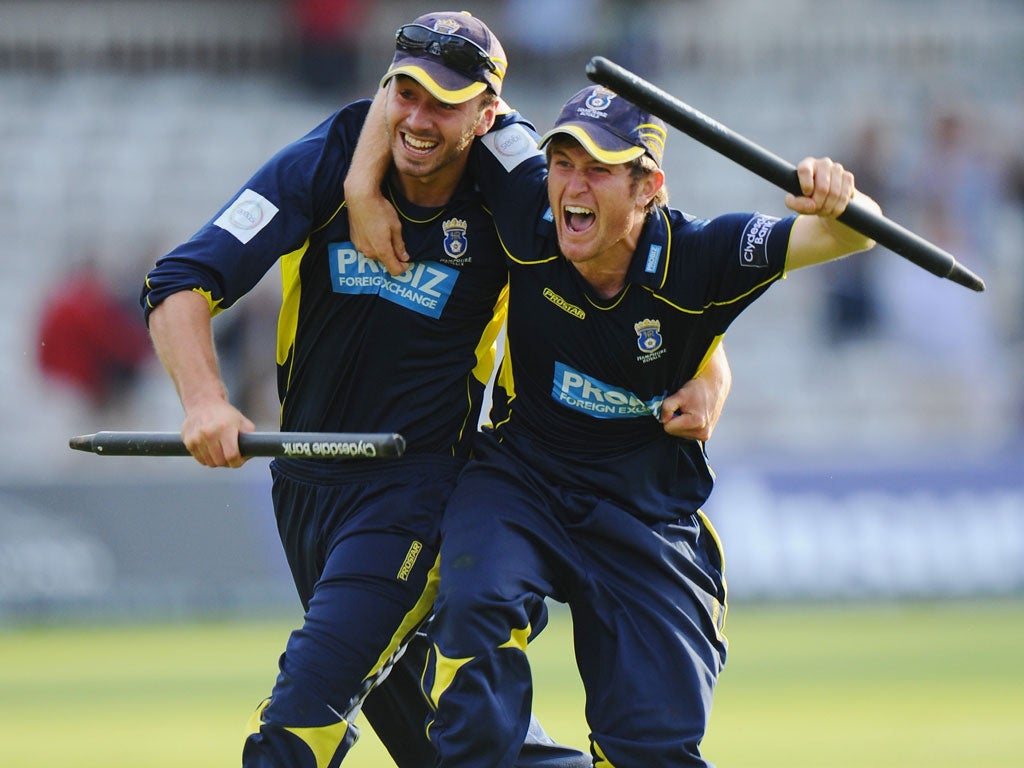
(648, 334)
(455, 237)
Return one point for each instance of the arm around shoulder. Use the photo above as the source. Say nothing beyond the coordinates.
(373, 222)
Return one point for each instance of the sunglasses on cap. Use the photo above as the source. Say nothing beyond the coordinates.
(458, 53)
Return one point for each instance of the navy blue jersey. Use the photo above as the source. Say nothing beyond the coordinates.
(357, 349)
(581, 385)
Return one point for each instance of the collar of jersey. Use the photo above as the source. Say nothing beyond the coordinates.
(417, 214)
(410, 211)
(656, 235)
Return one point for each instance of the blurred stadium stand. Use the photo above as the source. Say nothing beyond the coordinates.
(125, 124)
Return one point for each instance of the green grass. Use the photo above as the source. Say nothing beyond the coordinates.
(914, 686)
(927, 685)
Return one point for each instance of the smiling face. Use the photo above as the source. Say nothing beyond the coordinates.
(430, 139)
(598, 207)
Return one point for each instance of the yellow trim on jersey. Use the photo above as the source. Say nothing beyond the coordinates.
(614, 304)
(707, 355)
(214, 304)
(506, 380)
(486, 351)
(332, 216)
(528, 263)
(520, 261)
(486, 354)
(711, 303)
(508, 253)
(407, 217)
(743, 295)
(291, 295)
(676, 306)
(664, 273)
(667, 254)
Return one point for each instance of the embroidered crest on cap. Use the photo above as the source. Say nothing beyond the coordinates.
(600, 98)
(596, 103)
(447, 26)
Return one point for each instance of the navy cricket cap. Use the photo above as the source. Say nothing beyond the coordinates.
(450, 53)
(612, 129)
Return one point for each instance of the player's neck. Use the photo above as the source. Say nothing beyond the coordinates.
(432, 190)
(605, 272)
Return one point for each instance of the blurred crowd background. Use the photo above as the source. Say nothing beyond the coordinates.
(873, 443)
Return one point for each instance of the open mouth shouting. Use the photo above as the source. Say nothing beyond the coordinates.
(578, 218)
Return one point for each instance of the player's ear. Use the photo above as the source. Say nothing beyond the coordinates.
(487, 117)
(650, 184)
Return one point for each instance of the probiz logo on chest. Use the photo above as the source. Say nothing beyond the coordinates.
(595, 398)
(424, 288)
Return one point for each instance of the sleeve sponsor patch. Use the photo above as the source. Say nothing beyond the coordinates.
(754, 241)
(511, 145)
(247, 215)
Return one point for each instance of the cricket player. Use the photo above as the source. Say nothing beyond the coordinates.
(577, 492)
(358, 350)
